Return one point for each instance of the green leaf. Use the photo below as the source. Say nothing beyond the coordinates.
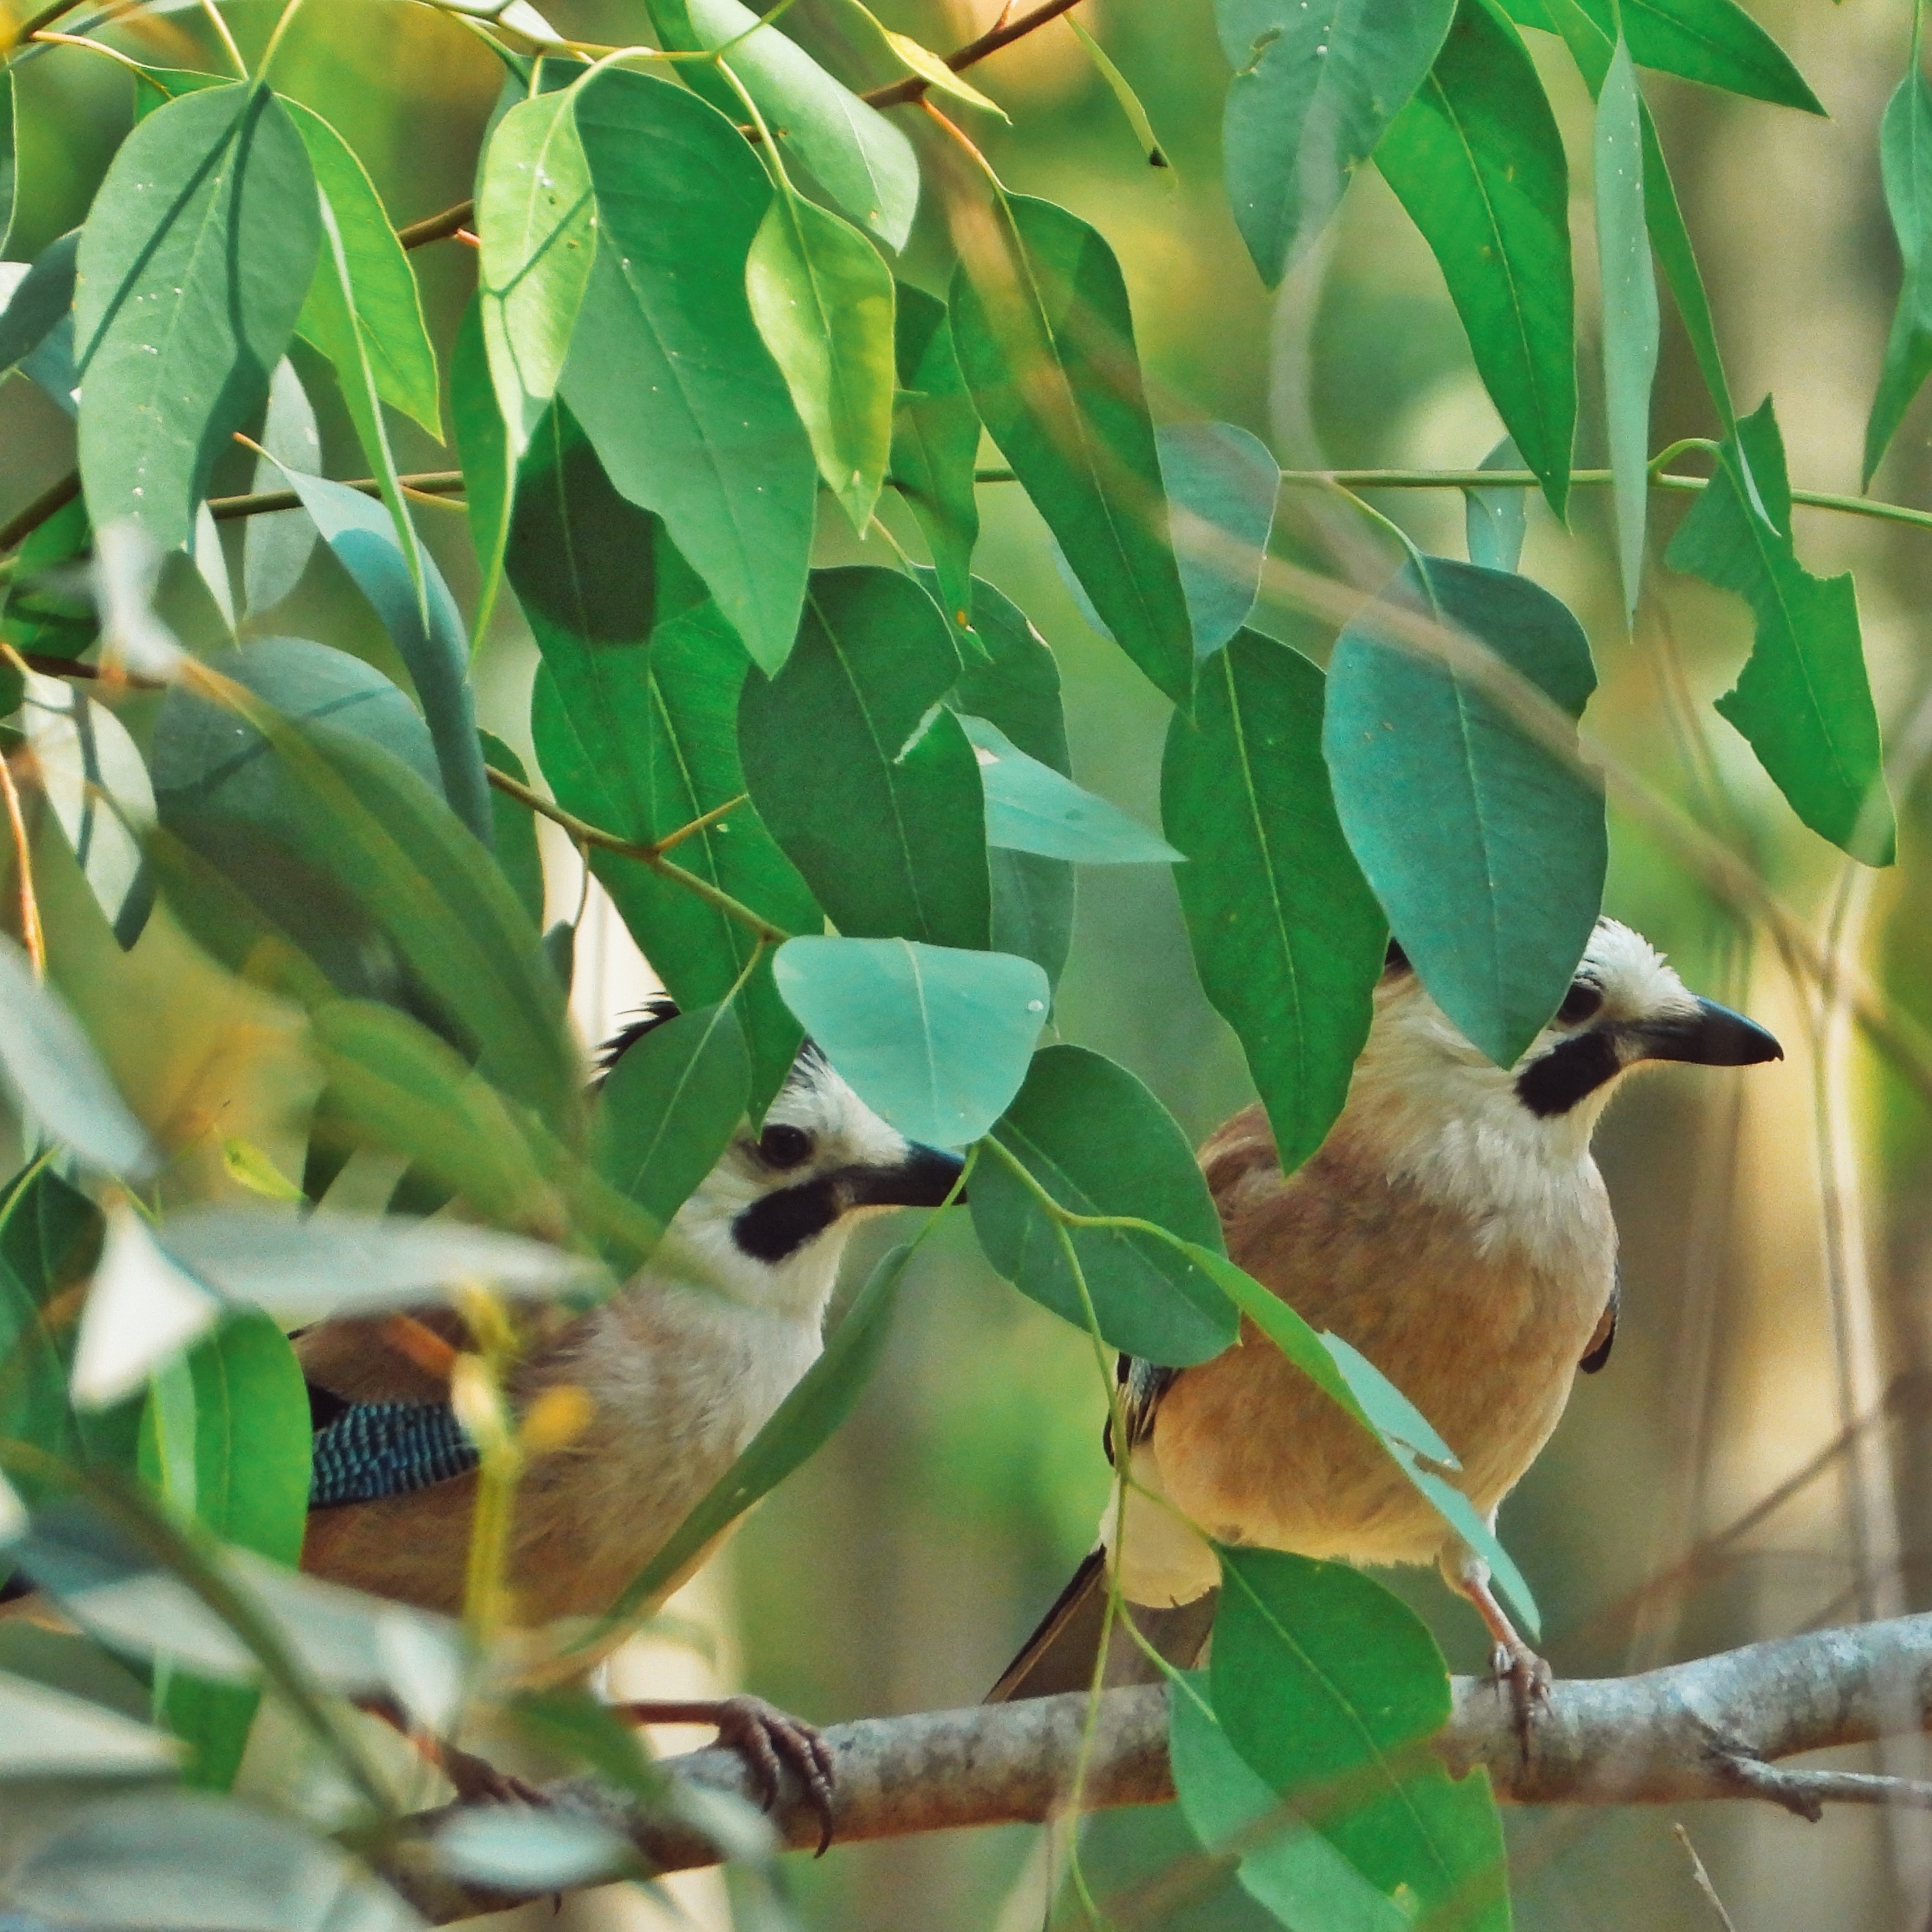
(1099, 1143)
(1222, 483)
(1629, 309)
(383, 292)
(232, 1456)
(820, 1401)
(670, 1107)
(276, 548)
(1494, 520)
(1011, 680)
(861, 159)
(634, 715)
(537, 222)
(934, 1040)
(1314, 88)
(344, 845)
(1486, 850)
(1042, 326)
(822, 301)
(49, 1068)
(514, 830)
(935, 441)
(1032, 808)
(1286, 1865)
(9, 160)
(690, 415)
(483, 450)
(47, 611)
(1715, 41)
(192, 268)
(1803, 699)
(1287, 937)
(1323, 1682)
(1477, 159)
(1122, 89)
(874, 794)
(50, 1235)
(432, 646)
(1905, 156)
(40, 296)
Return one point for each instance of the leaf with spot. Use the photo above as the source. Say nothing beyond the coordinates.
(691, 416)
(1045, 336)
(1287, 937)
(1032, 808)
(1803, 699)
(872, 789)
(1476, 160)
(1098, 1143)
(192, 268)
(1486, 847)
(1495, 518)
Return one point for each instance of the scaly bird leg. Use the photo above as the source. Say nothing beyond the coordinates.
(1514, 1664)
(767, 1737)
(477, 1781)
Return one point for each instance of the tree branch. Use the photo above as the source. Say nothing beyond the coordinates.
(1712, 1729)
(990, 42)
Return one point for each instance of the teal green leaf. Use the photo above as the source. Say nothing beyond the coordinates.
(690, 415)
(820, 1400)
(1629, 309)
(822, 301)
(225, 1440)
(1496, 521)
(276, 549)
(1322, 1680)
(873, 794)
(483, 451)
(192, 268)
(1905, 158)
(513, 829)
(1477, 159)
(1099, 1143)
(1314, 88)
(934, 1040)
(861, 159)
(1803, 699)
(9, 160)
(41, 296)
(1043, 332)
(669, 1108)
(634, 715)
(1287, 937)
(1012, 681)
(1222, 483)
(383, 292)
(536, 219)
(935, 441)
(1122, 89)
(1486, 850)
(1714, 41)
(433, 647)
(1286, 1865)
(1032, 808)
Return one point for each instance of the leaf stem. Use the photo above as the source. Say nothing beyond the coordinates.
(227, 39)
(913, 87)
(437, 227)
(651, 855)
(46, 17)
(31, 935)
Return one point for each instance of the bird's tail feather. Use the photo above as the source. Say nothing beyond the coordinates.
(1061, 1654)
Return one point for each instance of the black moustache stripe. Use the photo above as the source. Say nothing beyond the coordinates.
(781, 1223)
(1566, 1074)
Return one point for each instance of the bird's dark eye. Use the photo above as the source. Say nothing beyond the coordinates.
(1581, 1002)
(782, 1146)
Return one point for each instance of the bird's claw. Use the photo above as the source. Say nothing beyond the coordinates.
(1528, 1680)
(478, 1781)
(769, 1739)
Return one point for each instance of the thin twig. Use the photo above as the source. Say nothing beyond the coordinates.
(55, 498)
(264, 502)
(31, 936)
(1701, 1878)
(1004, 35)
(437, 227)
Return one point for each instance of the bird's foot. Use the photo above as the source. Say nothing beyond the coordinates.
(478, 1781)
(768, 1739)
(1528, 1680)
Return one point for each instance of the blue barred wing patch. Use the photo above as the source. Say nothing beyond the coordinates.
(371, 1450)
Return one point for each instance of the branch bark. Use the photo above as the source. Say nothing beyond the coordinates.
(1712, 1728)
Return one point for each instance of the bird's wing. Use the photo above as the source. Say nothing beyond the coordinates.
(1598, 1352)
(382, 1358)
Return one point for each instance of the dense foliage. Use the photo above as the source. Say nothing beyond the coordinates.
(834, 800)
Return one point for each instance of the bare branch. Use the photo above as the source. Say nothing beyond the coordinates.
(1712, 1729)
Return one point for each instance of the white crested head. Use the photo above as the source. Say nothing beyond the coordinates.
(1506, 1142)
(769, 1224)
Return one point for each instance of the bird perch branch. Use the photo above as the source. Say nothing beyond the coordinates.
(1713, 1729)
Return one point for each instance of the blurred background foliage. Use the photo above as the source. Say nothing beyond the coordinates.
(1775, 1234)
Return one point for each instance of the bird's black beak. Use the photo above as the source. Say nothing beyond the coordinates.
(1714, 1036)
(924, 1179)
